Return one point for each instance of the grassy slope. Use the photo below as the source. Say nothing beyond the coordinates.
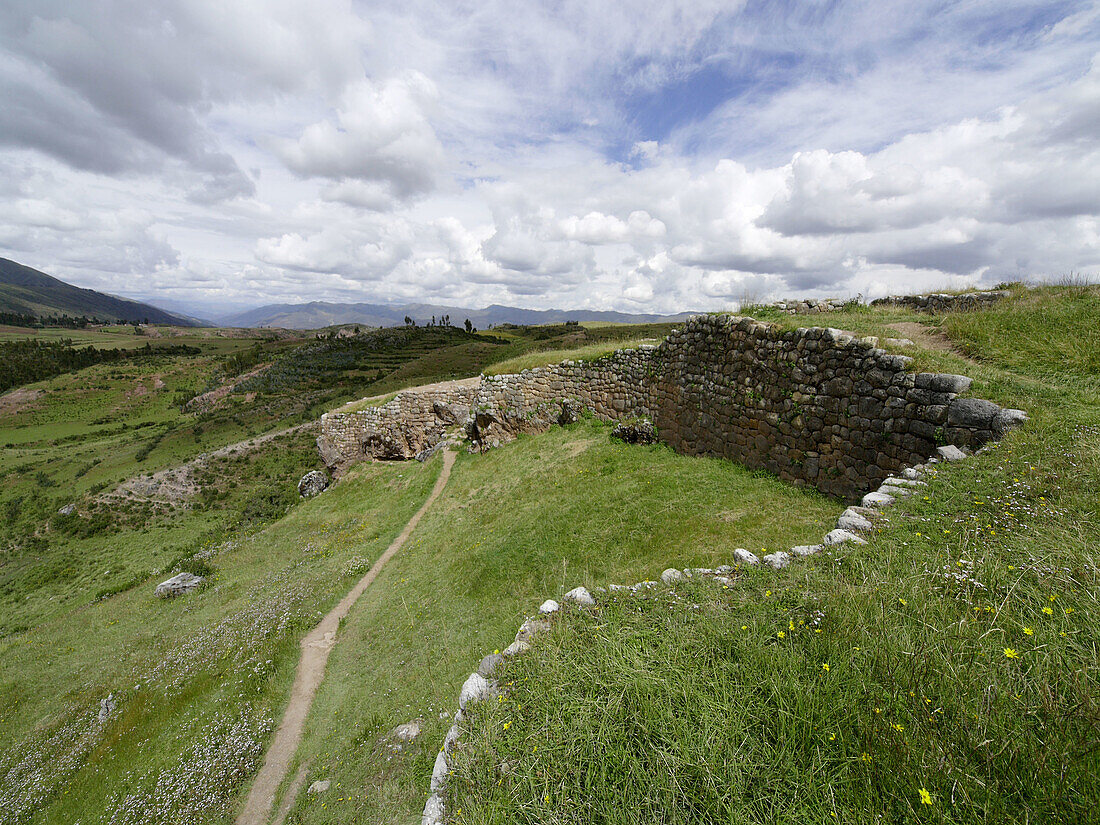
(187, 673)
(956, 653)
(515, 526)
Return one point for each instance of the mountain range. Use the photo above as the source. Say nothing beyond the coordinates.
(26, 291)
(319, 314)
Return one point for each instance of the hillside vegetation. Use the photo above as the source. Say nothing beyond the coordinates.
(948, 671)
(690, 705)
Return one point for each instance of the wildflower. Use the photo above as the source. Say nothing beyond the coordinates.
(1048, 611)
(781, 635)
(825, 666)
(866, 757)
(903, 602)
(832, 737)
(898, 727)
(1011, 654)
(1069, 610)
(1029, 631)
(744, 627)
(925, 797)
(507, 725)
(790, 624)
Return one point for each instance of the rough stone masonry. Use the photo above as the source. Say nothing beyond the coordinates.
(815, 406)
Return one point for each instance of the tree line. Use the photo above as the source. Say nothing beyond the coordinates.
(22, 362)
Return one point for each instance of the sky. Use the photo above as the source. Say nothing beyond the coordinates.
(209, 156)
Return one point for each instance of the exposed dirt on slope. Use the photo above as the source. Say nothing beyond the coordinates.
(311, 670)
(176, 485)
(18, 399)
(212, 400)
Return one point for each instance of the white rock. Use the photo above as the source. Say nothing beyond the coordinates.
(841, 536)
(178, 585)
(107, 707)
(439, 773)
(529, 628)
(853, 521)
(896, 492)
(671, 575)
(777, 560)
(911, 473)
(877, 500)
(701, 571)
(805, 549)
(433, 811)
(489, 663)
(615, 588)
(903, 482)
(515, 648)
(406, 732)
(450, 739)
(474, 689)
(950, 453)
(743, 556)
(724, 569)
(726, 580)
(579, 595)
(549, 606)
(320, 786)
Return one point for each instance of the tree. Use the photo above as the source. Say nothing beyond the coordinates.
(469, 326)
(409, 322)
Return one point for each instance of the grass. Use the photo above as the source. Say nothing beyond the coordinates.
(199, 680)
(514, 526)
(541, 358)
(946, 672)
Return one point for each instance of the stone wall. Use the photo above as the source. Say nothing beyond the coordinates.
(402, 428)
(935, 303)
(814, 406)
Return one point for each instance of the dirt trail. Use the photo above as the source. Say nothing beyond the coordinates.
(311, 670)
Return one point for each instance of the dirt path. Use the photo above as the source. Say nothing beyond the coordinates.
(311, 670)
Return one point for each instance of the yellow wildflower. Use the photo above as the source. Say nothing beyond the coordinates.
(925, 797)
(1011, 654)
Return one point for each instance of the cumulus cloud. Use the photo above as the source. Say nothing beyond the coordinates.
(380, 134)
(661, 156)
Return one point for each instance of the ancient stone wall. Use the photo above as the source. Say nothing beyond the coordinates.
(935, 303)
(814, 406)
(402, 428)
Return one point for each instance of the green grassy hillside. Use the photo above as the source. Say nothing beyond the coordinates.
(946, 672)
(698, 706)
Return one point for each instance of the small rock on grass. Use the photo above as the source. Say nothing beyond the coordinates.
(320, 786)
(877, 500)
(474, 689)
(841, 536)
(433, 811)
(950, 453)
(777, 560)
(579, 595)
(806, 549)
(489, 663)
(671, 575)
(549, 606)
(743, 556)
(178, 585)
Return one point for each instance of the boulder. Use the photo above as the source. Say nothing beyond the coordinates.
(671, 575)
(549, 606)
(320, 786)
(67, 510)
(853, 521)
(777, 560)
(312, 483)
(1005, 420)
(178, 585)
(439, 773)
(107, 707)
(806, 549)
(877, 500)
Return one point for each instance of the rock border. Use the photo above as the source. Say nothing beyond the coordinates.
(480, 685)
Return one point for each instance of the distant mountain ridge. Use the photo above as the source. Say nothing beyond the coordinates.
(26, 291)
(317, 314)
